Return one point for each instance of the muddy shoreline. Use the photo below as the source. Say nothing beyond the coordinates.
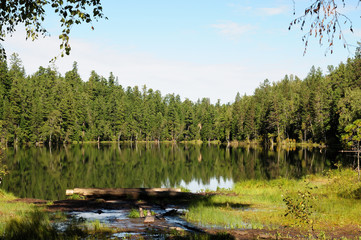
(134, 228)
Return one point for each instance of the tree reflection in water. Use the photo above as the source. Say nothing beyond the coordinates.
(41, 173)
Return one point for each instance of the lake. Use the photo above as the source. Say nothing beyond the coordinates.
(41, 172)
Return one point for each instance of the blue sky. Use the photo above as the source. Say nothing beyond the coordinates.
(194, 48)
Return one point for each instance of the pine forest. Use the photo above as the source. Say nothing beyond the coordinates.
(46, 107)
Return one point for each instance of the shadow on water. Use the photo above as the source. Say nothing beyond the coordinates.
(169, 214)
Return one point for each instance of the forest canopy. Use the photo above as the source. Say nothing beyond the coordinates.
(48, 107)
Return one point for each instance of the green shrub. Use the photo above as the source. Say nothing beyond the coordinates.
(300, 206)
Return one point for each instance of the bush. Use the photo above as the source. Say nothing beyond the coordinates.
(300, 206)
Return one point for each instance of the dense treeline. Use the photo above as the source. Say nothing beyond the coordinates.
(48, 107)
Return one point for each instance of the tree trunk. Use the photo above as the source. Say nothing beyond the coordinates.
(304, 136)
(272, 143)
(358, 160)
(120, 133)
(83, 133)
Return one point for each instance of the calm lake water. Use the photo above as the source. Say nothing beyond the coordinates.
(46, 173)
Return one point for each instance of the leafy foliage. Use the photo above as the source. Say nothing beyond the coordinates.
(300, 206)
(325, 21)
(3, 168)
(353, 133)
(353, 138)
(32, 14)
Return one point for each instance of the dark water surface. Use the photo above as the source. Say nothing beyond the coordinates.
(46, 173)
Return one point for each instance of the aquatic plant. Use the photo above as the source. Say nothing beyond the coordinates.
(134, 213)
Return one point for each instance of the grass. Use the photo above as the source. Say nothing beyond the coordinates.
(76, 197)
(184, 189)
(36, 224)
(229, 212)
(97, 228)
(134, 213)
(10, 209)
(335, 202)
(197, 236)
(209, 215)
(19, 220)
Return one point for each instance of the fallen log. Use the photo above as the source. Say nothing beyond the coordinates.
(126, 192)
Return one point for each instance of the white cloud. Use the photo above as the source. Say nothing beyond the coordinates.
(188, 79)
(231, 29)
(274, 11)
(240, 8)
(270, 11)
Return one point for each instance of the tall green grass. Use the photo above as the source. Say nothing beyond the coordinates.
(33, 226)
(10, 209)
(336, 201)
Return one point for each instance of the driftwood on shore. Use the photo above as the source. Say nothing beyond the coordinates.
(126, 192)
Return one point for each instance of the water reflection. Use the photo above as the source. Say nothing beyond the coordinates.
(44, 173)
(213, 184)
